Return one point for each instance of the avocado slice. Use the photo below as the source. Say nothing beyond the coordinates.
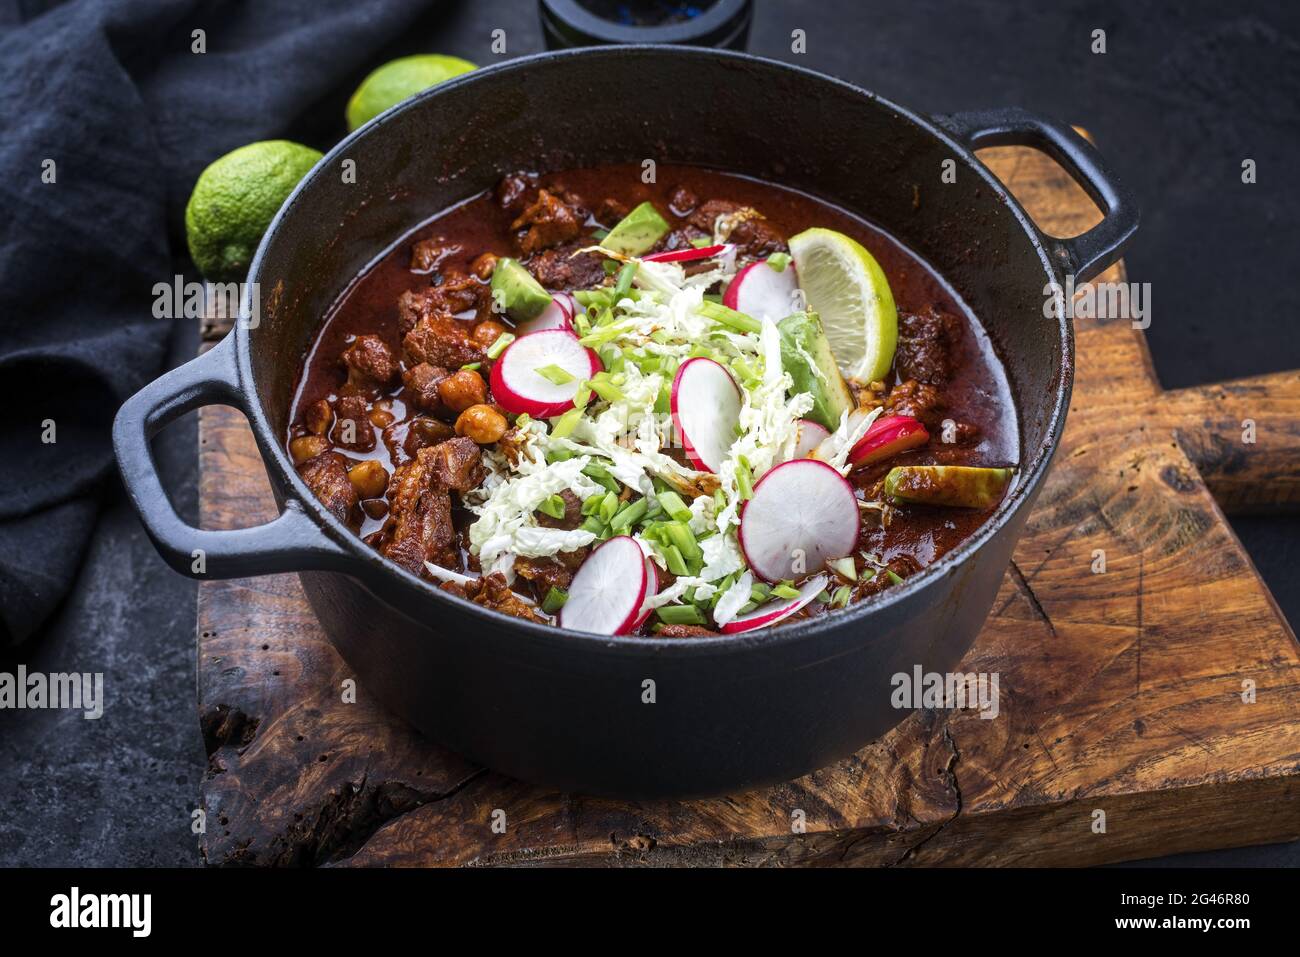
(515, 290)
(806, 355)
(962, 486)
(637, 232)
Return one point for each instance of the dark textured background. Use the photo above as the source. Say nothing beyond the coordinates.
(1185, 92)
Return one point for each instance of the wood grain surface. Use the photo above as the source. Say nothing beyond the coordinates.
(1161, 694)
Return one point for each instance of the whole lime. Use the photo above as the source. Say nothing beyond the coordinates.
(396, 80)
(234, 201)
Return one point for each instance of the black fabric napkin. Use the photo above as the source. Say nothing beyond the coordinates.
(110, 102)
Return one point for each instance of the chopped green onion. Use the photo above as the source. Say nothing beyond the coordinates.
(785, 591)
(779, 261)
(553, 373)
(591, 504)
(893, 576)
(598, 473)
(554, 600)
(593, 524)
(624, 281)
(558, 455)
(680, 615)
(629, 514)
(608, 507)
(841, 596)
(746, 608)
(729, 317)
(553, 506)
(599, 234)
(674, 506)
(582, 396)
(610, 266)
(699, 242)
(744, 479)
(499, 344)
(759, 592)
(607, 390)
(680, 534)
(566, 423)
(673, 559)
(471, 366)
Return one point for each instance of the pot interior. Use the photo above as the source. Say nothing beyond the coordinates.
(596, 106)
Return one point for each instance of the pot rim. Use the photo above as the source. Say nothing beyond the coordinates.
(1028, 479)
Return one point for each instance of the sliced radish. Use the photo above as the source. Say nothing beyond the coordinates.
(778, 609)
(887, 437)
(651, 589)
(705, 404)
(518, 387)
(689, 255)
(558, 315)
(608, 593)
(811, 435)
(762, 292)
(802, 513)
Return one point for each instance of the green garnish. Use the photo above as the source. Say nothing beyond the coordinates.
(552, 505)
(680, 615)
(610, 266)
(674, 506)
(608, 506)
(624, 281)
(471, 366)
(566, 423)
(744, 478)
(894, 576)
(499, 344)
(673, 559)
(606, 389)
(699, 242)
(554, 600)
(779, 261)
(785, 591)
(629, 514)
(729, 317)
(553, 373)
(841, 596)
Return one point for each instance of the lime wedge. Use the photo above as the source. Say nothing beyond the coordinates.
(845, 285)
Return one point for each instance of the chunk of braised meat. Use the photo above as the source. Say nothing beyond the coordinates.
(753, 235)
(456, 463)
(572, 513)
(419, 527)
(610, 211)
(928, 344)
(421, 382)
(492, 591)
(318, 417)
(515, 191)
(563, 267)
(424, 432)
(442, 340)
(368, 358)
(682, 201)
(684, 631)
(547, 222)
(903, 566)
(457, 293)
(352, 427)
(428, 254)
(327, 477)
(920, 400)
(543, 574)
(681, 238)
(484, 265)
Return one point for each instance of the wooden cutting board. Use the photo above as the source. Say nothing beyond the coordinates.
(1161, 696)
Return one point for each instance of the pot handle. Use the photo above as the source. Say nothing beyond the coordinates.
(292, 542)
(1086, 255)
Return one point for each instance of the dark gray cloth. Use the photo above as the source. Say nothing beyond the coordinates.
(110, 102)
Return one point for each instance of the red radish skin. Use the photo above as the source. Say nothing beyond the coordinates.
(762, 292)
(705, 404)
(689, 255)
(776, 610)
(607, 595)
(558, 315)
(518, 388)
(802, 514)
(887, 437)
(811, 435)
(651, 589)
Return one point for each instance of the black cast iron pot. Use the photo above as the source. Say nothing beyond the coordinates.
(637, 717)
